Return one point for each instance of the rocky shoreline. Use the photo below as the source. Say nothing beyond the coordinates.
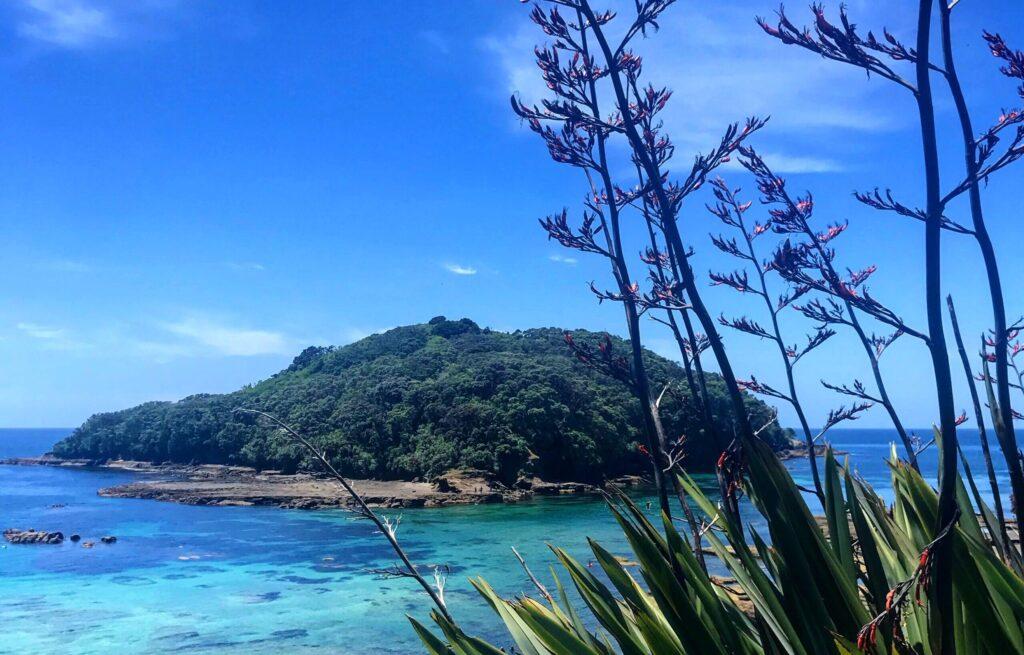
(219, 485)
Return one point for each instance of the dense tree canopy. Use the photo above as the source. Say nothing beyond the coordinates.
(418, 400)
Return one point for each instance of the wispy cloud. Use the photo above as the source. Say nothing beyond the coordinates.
(194, 335)
(51, 337)
(797, 164)
(458, 269)
(198, 336)
(46, 332)
(66, 266)
(722, 68)
(437, 41)
(231, 340)
(67, 23)
(783, 163)
(562, 259)
(245, 266)
(88, 24)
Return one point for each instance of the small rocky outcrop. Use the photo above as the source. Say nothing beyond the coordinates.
(109, 539)
(467, 481)
(31, 536)
(475, 486)
(629, 481)
(797, 450)
(542, 488)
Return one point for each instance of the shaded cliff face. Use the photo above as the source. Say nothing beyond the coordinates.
(421, 399)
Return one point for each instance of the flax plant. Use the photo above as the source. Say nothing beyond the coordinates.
(809, 265)
(581, 141)
(731, 211)
(920, 576)
(579, 65)
(857, 587)
(842, 42)
(981, 161)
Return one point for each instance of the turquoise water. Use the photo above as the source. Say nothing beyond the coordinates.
(261, 580)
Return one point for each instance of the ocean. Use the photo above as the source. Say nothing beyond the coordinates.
(184, 579)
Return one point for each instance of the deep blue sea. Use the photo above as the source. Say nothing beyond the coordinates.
(184, 579)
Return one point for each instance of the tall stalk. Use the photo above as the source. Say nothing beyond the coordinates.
(582, 143)
(1007, 436)
(689, 349)
(876, 371)
(941, 620)
(667, 216)
(980, 419)
(666, 211)
(649, 406)
(363, 511)
(731, 212)
(795, 214)
(652, 422)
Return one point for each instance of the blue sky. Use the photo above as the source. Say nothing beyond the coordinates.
(195, 190)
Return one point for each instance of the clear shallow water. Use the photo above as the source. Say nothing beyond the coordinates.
(188, 579)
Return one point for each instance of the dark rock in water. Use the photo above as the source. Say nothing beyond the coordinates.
(133, 581)
(75, 538)
(109, 539)
(30, 536)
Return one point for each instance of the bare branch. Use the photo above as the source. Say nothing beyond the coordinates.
(386, 526)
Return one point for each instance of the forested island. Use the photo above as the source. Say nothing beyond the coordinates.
(416, 401)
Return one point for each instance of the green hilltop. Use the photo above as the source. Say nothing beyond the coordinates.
(418, 400)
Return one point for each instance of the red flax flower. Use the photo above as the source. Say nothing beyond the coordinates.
(919, 581)
(730, 468)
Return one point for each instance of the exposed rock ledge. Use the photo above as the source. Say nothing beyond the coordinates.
(212, 484)
(797, 450)
(31, 536)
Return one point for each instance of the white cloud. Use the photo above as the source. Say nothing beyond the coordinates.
(67, 23)
(723, 68)
(514, 52)
(52, 338)
(783, 163)
(85, 24)
(459, 269)
(45, 332)
(562, 259)
(194, 335)
(245, 266)
(230, 340)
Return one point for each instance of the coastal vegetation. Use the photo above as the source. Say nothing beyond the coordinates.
(416, 401)
(937, 571)
(753, 558)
